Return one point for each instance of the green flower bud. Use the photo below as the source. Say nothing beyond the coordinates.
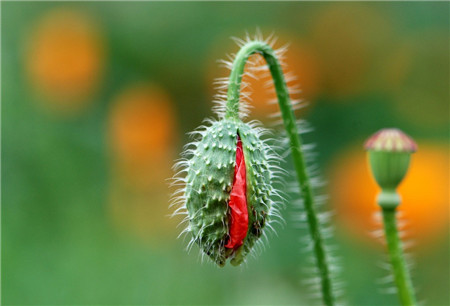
(228, 190)
(389, 157)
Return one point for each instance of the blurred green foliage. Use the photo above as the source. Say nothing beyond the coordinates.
(60, 244)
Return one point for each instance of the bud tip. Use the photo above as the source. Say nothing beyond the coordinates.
(390, 140)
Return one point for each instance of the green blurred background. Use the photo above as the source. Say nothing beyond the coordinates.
(97, 99)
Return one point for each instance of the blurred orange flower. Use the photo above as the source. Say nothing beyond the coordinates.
(142, 137)
(142, 133)
(424, 192)
(65, 58)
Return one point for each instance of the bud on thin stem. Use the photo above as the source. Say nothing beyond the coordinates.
(389, 156)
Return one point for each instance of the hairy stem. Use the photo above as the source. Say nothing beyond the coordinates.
(401, 273)
(232, 111)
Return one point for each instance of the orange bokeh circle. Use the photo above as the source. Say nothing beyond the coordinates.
(65, 59)
(142, 132)
(142, 138)
(424, 192)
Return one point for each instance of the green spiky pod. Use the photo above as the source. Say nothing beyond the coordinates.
(209, 184)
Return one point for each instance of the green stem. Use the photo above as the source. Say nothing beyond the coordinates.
(401, 273)
(232, 111)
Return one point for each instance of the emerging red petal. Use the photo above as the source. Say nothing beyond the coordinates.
(238, 202)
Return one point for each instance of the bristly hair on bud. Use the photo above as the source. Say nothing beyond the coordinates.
(228, 193)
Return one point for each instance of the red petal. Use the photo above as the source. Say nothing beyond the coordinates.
(238, 202)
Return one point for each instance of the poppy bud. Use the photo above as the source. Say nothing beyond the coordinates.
(389, 157)
(228, 190)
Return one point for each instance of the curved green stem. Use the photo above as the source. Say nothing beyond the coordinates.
(232, 111)
(401, 274)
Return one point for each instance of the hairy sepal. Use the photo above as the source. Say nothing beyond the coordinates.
(209, 182)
